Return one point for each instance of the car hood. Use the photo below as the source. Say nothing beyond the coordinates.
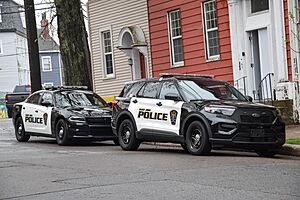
(92, 111)
(237, 104)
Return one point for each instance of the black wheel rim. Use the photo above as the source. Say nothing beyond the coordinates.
(125, 134)
(196, 137)
(61, 131)
(19, 129)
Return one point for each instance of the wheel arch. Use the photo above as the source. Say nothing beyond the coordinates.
(125, 115)
(54, 122)
(195, 117)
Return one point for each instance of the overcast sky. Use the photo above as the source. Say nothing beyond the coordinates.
(46, 6)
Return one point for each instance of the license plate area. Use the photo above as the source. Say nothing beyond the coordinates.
(257, 133)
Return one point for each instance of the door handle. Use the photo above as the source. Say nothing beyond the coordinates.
(36, 111)
(135, 101)
(159, 104)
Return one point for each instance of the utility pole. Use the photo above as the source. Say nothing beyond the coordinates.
(33, 48)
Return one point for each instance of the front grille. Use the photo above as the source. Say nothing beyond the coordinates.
(98, 120)
(257, 116)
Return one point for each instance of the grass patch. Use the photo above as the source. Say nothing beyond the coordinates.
(293, 141)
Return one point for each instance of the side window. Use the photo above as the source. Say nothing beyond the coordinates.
(47, 97)
(34, 99)
(168, 87)
(149, 90)
(134, 89)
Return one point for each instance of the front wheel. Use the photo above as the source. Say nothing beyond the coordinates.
(20, 133)
(61, 132)
(127, 137)
(197, 142)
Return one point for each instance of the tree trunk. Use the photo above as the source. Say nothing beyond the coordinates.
(73, 43)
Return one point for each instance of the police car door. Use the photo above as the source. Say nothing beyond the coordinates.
(143, 107)
(45, 109)
(31, 118)
(171, 107)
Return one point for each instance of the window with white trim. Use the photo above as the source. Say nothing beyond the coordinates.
(210, 23)
(259, 5)
(107, 54)
(46, 63)
(175, 36)
(1, 47)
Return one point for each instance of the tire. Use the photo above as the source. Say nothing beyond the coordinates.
(197, 142)
(20, 133)
(266, 153)
(127, 138)
(61, 133)
(183, 145)
(9, 113)
(116, 141)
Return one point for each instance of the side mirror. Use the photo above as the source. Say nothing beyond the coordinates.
(249, 98)
(47, 104)
(110, 104)
(172, 96)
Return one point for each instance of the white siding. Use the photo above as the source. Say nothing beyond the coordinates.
(13, 61)
(115, 14)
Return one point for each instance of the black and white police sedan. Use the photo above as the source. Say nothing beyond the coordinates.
(64, 113)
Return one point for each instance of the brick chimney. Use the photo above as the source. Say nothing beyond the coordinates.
(45, 27)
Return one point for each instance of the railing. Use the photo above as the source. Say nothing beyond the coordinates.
(241, 84)
(266, 92)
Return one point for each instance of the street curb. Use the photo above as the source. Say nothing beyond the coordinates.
(287, 149)
(291, 150)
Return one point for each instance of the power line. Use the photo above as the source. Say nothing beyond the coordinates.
(22, 11)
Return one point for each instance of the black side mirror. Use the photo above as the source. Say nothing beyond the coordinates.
(249, 98)
(172, 96)
(47, 104)
(110, 104)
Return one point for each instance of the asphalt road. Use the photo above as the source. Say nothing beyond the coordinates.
(40, 169)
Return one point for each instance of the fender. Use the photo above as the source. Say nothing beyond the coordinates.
(201, 117)
(127, 114)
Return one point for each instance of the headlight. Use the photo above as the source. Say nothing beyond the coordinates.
(224, 110)
(77, 119)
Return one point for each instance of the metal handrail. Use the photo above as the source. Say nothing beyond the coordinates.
(244, 84)
(264, 94)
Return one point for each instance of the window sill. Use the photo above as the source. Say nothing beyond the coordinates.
(108, 77)
(180, 64)
(213, 59)
(47, 70)
(259, 12)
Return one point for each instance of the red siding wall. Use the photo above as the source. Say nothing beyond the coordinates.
(192, 36)
(287, 35)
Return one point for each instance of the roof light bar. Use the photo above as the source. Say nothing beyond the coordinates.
(65, 87)
(165, 75)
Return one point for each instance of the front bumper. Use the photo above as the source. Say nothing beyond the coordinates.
(249, 135)
(83, 130)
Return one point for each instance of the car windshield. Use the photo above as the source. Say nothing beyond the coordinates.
(75, 98)
(209, 90)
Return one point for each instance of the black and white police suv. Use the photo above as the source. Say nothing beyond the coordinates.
(64, 113)
(196, 111)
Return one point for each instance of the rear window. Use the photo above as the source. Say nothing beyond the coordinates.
(22, 88)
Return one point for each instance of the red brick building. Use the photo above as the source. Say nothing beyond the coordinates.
(191, 36)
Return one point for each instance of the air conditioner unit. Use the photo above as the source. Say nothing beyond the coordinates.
(285, 90)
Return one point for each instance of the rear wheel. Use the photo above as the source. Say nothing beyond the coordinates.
(61, 133)
(197, 142)
(20, 133)
(127, 137)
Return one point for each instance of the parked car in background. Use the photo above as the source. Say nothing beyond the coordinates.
(64, 113)
(20, 93)
(198, 112)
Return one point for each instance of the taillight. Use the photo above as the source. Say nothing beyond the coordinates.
(114, 104)
(6, 99)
